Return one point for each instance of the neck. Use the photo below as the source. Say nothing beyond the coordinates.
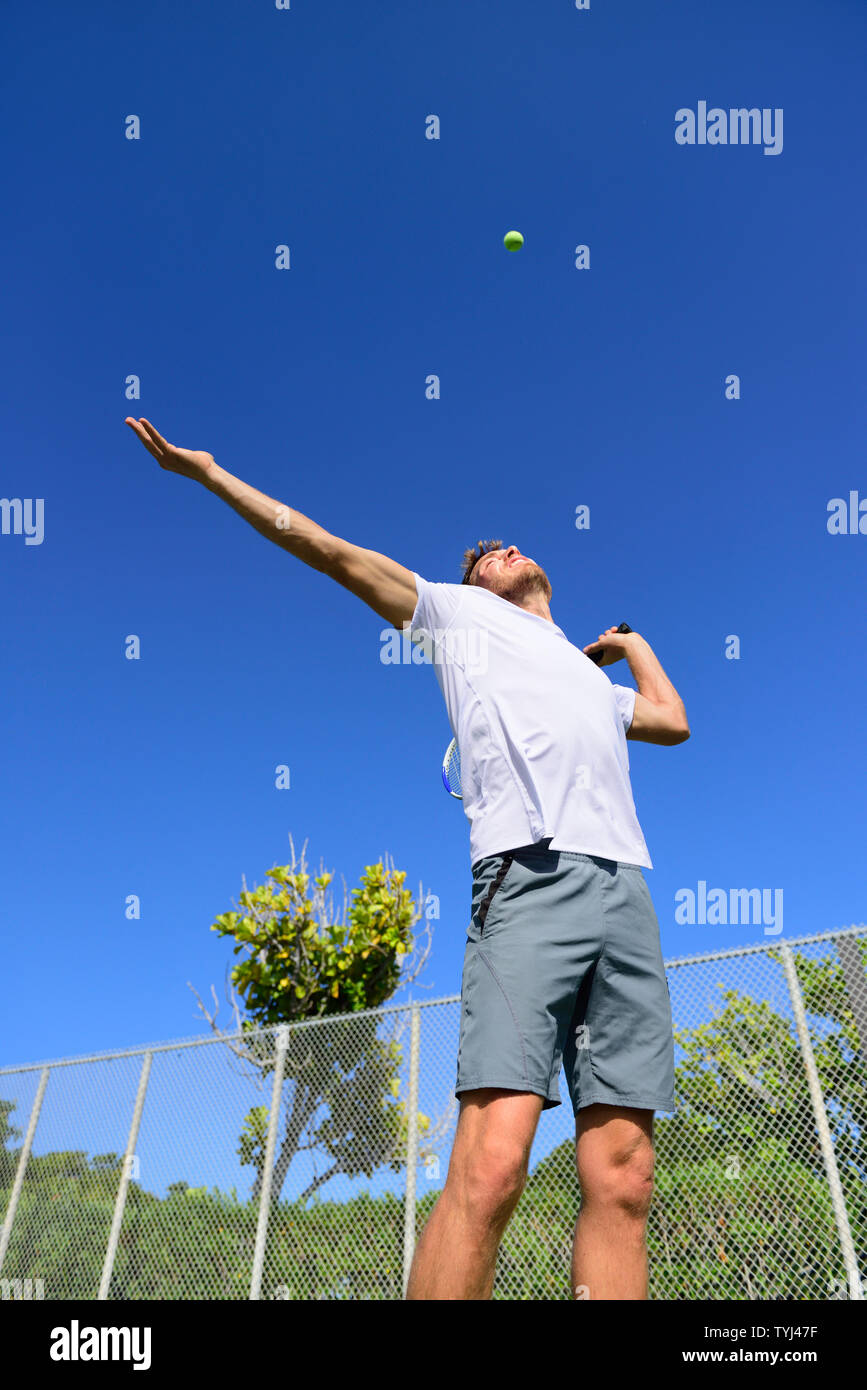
(535, 603)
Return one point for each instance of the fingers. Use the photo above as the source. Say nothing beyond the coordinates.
(153, 441)
(142, 434)
(155, 434)
(601, 638)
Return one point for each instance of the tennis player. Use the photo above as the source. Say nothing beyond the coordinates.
(563, 965)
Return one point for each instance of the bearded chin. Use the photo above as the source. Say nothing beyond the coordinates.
(530, 580)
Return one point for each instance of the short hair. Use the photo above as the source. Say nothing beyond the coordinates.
(472, 557)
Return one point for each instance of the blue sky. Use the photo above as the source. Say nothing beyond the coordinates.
(559, 387)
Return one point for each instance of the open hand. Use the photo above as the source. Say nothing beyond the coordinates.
(190, 463)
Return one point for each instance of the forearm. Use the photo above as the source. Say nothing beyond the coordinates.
(291, 530)
(649, 676)
(387, 587)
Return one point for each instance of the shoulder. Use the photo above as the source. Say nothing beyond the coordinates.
(438, 604)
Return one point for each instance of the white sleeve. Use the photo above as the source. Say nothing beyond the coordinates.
(625, 699)
(436, 607)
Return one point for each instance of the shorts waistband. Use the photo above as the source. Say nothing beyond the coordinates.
(541, 849)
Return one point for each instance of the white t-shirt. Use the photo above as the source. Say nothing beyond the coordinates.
(540, 728)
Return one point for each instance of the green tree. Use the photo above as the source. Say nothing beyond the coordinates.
(745, 1199)
(741, 1211)
(8, 1134)
(741, 1078)
(300, 961)
(742, 1207)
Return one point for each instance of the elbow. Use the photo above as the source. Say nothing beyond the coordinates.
(679, 723)
(672, 730)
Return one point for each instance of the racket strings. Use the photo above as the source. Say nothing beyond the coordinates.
(452, 770)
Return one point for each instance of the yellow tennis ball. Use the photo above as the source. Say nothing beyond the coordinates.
(513, 241)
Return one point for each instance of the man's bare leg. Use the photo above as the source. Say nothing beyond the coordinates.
(457, 1254)
(614, 1155)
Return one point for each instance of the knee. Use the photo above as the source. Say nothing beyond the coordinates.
(621, 1179)
(491, 1179)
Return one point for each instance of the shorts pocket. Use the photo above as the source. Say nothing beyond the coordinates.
(496, 883)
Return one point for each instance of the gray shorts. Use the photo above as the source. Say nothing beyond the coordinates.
(563, 965)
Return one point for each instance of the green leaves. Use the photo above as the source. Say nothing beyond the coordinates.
(288, 931)
(296, 959)
(251, 1145)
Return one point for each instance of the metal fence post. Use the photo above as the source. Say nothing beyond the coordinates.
(6, 1233)
(849, 952)
(120, 1200)
(829, 1158)
(411, 1145)
(268, 1169)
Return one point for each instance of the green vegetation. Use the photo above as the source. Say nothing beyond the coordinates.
(742, 1208)
(301, 961)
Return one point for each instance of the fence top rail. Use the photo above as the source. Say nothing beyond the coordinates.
(216, 1038)
(210, 1039)
(766, 946)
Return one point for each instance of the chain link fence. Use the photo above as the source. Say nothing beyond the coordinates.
(300, 1163)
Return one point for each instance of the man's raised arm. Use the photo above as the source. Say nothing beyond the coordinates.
(659, 715)
(388, 588)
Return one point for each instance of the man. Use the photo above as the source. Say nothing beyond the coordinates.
(563, 961)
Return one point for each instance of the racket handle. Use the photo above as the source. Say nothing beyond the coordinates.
(596, 657)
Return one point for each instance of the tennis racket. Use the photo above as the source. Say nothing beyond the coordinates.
(452, 758)
(452, 770)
